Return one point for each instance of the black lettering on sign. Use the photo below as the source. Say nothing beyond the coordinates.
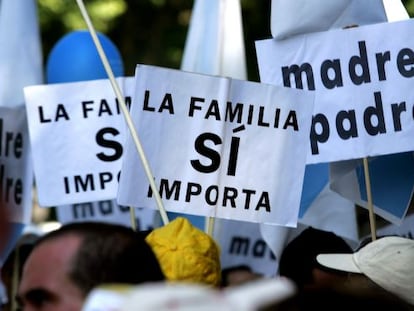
(331, 70)
(165, 105)
(213, 195)
(102, 140)
(87, 182)
(103, 107)
(92, 209)
(243, 114)
(201, 146)
(11, 189)
(83, 210)
(59, 114)
(11, 144)
(243, 246)
(346, 122)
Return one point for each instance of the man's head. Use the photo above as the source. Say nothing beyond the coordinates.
(66, 264)
(298, 259)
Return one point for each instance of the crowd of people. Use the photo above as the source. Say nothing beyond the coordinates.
(83, 266)
(96, 266)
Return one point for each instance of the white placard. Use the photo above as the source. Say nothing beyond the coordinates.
(362, 78)
(16, 174)
(77, 132)
(217, 147)
(241, 243)
(106, 211)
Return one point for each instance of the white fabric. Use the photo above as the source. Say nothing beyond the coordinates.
(193, 297)
(395, 10)
(20, 50)
(215, 42)
(177, 296)
(332, 212)
(294, 17)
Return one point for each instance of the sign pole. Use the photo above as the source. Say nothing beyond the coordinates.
(126, 114)
(369, 199)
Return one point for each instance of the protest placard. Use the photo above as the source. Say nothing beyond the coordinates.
(362, 82)
(106, 211)
(77, 132)
(245, 247)
(218, 147)
(16, 175)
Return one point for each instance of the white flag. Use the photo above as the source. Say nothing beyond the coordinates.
(215, 43)
(20, 50)
(20, 65)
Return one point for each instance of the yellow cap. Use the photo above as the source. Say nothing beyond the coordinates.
(186, 253)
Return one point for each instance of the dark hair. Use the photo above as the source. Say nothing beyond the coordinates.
(298, 259)
(108, 253)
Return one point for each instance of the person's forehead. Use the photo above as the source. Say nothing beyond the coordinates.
(58, 250)
(49, 261)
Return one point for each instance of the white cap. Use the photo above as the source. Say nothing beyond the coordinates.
(388, 261)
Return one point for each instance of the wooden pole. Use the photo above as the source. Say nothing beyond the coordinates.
(369, 199)
(209, 226)
(126, 114)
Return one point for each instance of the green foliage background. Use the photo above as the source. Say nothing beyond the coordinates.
(150, 31)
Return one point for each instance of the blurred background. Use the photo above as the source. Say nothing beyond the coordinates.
(151, 32)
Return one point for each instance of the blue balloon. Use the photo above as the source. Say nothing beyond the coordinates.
(75, 58)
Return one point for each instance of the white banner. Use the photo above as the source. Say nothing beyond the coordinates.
(106, 211)
(218, 147)
(362, 82)
(77, 133)
(16, 175)
(241, 243)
